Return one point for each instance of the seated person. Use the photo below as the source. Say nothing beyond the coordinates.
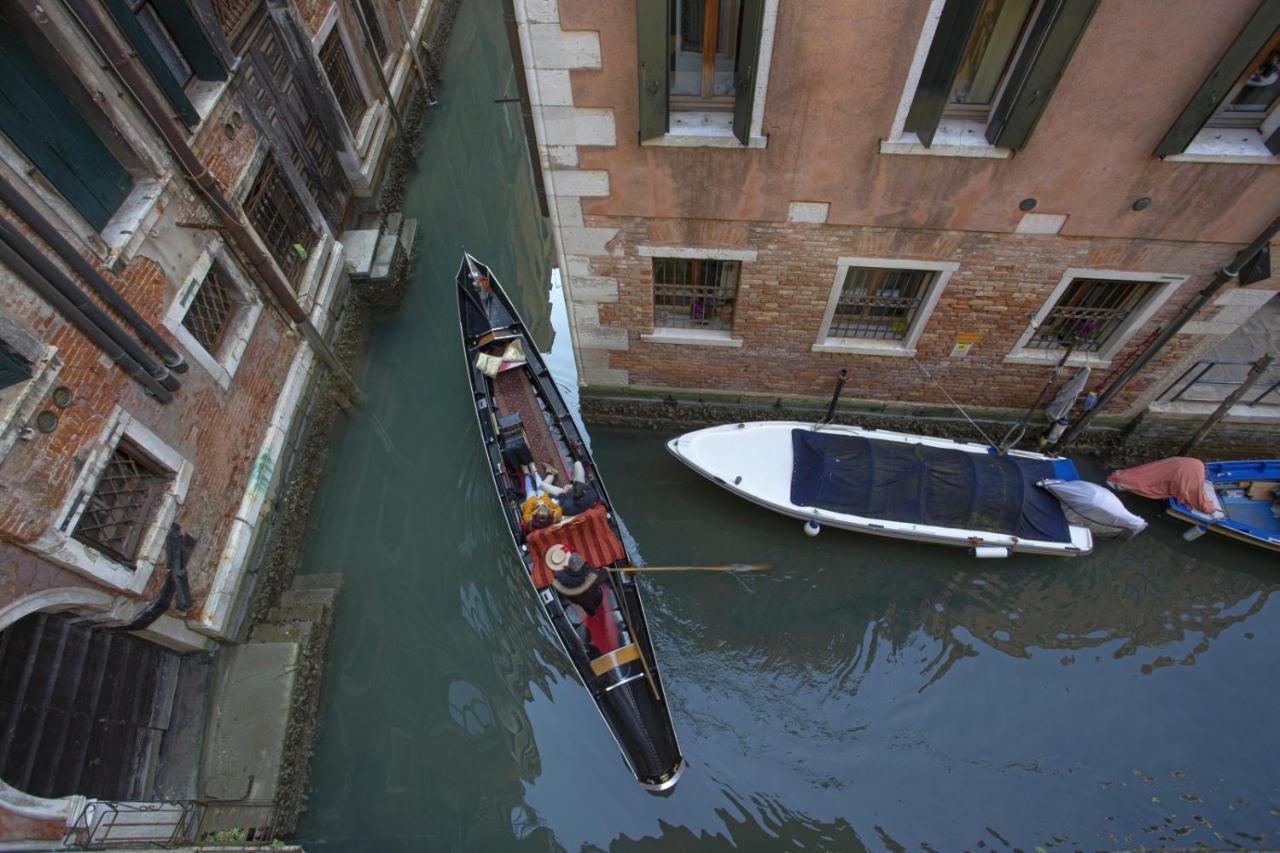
(580, 495)
(580, 583)
(539, 508)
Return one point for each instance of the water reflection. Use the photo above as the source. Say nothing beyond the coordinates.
(863, 692)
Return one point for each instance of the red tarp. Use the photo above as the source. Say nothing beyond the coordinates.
(588, 533)
(1179, 477)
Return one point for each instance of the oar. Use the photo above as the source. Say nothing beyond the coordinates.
(732, 567)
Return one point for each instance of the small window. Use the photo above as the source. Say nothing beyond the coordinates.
(1089, 313)
(694, 294)
(879, 304)
(342, 77)
(705, 39)
(213, 311)
(13, 367)
(376, 35)
(988, 56)
(280, 220)
(122, 505)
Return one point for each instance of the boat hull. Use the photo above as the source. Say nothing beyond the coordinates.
(1264, 531)
(754, 461)
(625, 684)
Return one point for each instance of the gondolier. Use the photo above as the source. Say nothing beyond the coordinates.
(580, 583)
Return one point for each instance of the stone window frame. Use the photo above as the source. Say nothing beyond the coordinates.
(222, 365)
(57, 545)
(696, 337)
(362, 132)
(905, 348)
(123, 235)
(1168, 284)
(955, 137)
(689, 134)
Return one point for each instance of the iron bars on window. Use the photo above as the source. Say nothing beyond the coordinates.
(280, 220)
(694, 294)
(880, 304)
(342, 77)
(119, 511)
(212, 310)
(1089, 313)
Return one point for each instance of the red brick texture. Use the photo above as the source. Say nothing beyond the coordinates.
(1002, 282)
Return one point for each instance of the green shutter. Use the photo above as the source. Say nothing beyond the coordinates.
(940, 67)
(1044, 56)
(190, 37)
(13, 368)
(652, 45)
(43, 123)
(744, 83)
(1233, 64)
(151, 58)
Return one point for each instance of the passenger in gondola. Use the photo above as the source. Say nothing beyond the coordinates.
(580, 583)
(539, 509)
(580, 495)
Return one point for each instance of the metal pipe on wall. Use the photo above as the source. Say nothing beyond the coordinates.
(367, 37)
(77, 317)
(268, 276)
(44, 229)
(1222, 277)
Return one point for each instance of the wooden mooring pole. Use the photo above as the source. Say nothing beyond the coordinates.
(1255, 373)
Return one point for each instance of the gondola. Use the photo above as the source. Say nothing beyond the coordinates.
(522, 416)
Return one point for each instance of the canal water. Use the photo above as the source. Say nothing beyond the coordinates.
(862, 693)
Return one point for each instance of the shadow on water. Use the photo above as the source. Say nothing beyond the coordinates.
(863, 692)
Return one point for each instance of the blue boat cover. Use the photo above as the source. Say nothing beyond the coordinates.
(918, 484)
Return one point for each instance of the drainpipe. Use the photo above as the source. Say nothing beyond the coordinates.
(1222, 277)
(269, 278)
(46, 232)
(367, 37)
(413, 48)
(80, 313)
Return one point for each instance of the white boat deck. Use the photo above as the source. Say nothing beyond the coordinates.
(754, 461)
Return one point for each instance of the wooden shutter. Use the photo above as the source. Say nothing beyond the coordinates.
(745, 73)
(43, 123)
(1234, 63)
(191, 39)
(940, 67)
(653, 50)
(151, 58)
(1044, 56)
(13, 367)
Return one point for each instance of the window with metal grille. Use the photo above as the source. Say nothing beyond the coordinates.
(342, 77)
(694, 294)
(1089, 313)
(212, 311)
(375, 29)
(280, 220)
(879, 303)
(119, 511)
(232, 15)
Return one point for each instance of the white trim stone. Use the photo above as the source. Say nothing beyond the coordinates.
(815, 212)
(698, 253)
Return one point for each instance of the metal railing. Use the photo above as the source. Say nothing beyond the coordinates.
(1212, 381)
(172, 823)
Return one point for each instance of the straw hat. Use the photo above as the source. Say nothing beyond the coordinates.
(557, 557)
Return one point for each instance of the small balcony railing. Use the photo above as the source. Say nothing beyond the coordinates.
(1212, 381)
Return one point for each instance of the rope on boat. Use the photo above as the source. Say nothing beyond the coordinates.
(959, 407)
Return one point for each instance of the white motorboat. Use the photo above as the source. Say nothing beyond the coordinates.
(892, 484)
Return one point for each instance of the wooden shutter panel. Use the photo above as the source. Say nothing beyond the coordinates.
(151, 58)
(940, 67)
(652, 46)
(13, 368)
(1048, 48)
(43, 123)
(745, 73)
(197, 49)
(1216, 87)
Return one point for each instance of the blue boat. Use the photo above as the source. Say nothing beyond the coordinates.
(1247, 492)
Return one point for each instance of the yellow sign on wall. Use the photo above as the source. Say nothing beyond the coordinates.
(964, 343)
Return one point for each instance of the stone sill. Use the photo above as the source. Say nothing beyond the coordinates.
(693, 339)
(952, 139)
(698, 140)
(1052, 357)
(865, 348)
(1240, 413)
(1226, 145)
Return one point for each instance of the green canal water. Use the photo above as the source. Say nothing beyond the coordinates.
(863, 693)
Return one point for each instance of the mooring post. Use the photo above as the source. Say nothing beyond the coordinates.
(835, 396)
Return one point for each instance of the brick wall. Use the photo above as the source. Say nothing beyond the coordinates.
(1002, 281)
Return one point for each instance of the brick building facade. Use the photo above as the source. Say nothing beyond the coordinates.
(749, 195)
(149, 373)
